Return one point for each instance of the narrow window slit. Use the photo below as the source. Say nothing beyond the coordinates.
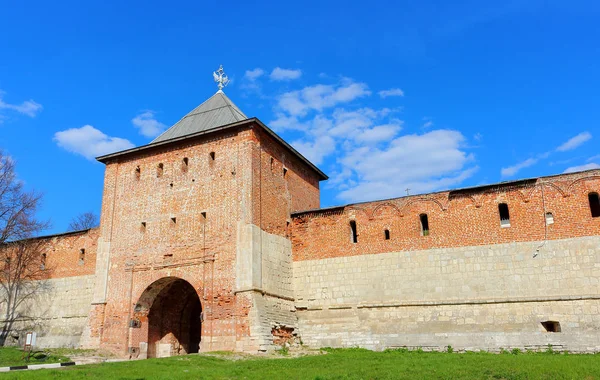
(212, 156)
(424, 224)
(159, 170)
(138, 172)
(549, 218)
(504, 215)
(174, 220)
(354, 233)
(43, 262)
(184, 164)
(285, 172)
(143, 227)
(81, 256)
(386, 233)
(594, 204)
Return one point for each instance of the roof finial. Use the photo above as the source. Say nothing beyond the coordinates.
(221, 78)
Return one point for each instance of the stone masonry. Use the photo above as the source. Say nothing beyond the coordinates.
(211, 238)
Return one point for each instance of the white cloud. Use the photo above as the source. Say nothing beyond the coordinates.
(512, 170)
(379, 133)
(28, 107)
(391, 92)
(575, 142)
(90, 142)
(320, 97)
(279, 74)
(591, 165)
(422, 163)
(253, 75)
(148, 125)
(372, 159)
(315, 151)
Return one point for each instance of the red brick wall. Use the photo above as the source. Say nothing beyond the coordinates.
(237, 186)
(281, 194)
(63, 254)
(460, 218)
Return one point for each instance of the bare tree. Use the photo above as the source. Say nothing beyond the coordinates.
(83, 221)
(20, 254)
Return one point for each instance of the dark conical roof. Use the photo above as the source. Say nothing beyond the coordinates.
(216, 111)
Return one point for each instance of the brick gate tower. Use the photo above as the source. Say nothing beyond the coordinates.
(194, 253)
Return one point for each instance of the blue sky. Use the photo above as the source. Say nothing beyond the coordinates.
(382, 96)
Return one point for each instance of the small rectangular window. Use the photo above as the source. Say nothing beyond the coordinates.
(43, 262)
(159, 170)
(212, 156)
(387, 234)
(81, 256)
(504, 215)
(354, 235)
(143, 227)
(285, 172)
(138, 172)
(594, 204)
(549, 218)
(184, 164)
(551, 326)
(424, 224)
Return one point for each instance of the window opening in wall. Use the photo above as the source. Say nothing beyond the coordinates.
(159, 170)
(143, 227)
(551, 326)
(173, 220)
(203, 216)
(272, 163)
(549, 218)
(184, 164)
(285, 172)
(138, 172)
(354, 233)
(171, 184)
(424, 224)
(287, 228)
(212, 156)
(504, 215)
(81, 255)
(43, 262)
(386, 233)
(594, 204)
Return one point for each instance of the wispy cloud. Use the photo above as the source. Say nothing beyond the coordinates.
(147, 124)
(279, 74)
(591, 165)
(512, 170)
(372, 157)
(391, 92)
(320, 97)
(29, 107)
(574, 142)
(568, 145)
(90, 142)
(254, 74)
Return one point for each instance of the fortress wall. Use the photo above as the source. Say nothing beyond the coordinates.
(58, 313)
(483, 297)
(469, 283)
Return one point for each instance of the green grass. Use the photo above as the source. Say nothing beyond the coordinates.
(342, 364)
(11, 356)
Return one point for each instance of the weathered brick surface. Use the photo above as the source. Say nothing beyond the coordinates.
(456, 219)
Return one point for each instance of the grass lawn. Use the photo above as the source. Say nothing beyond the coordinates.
(341, 364)
(11, 356)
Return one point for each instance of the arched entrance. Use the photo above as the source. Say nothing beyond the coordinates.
(169, 314)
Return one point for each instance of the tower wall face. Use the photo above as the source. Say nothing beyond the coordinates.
(218, 223)
(470, 283)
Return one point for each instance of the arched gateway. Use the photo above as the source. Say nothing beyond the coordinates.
(167, 319)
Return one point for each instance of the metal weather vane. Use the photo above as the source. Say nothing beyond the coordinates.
(221, 78)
